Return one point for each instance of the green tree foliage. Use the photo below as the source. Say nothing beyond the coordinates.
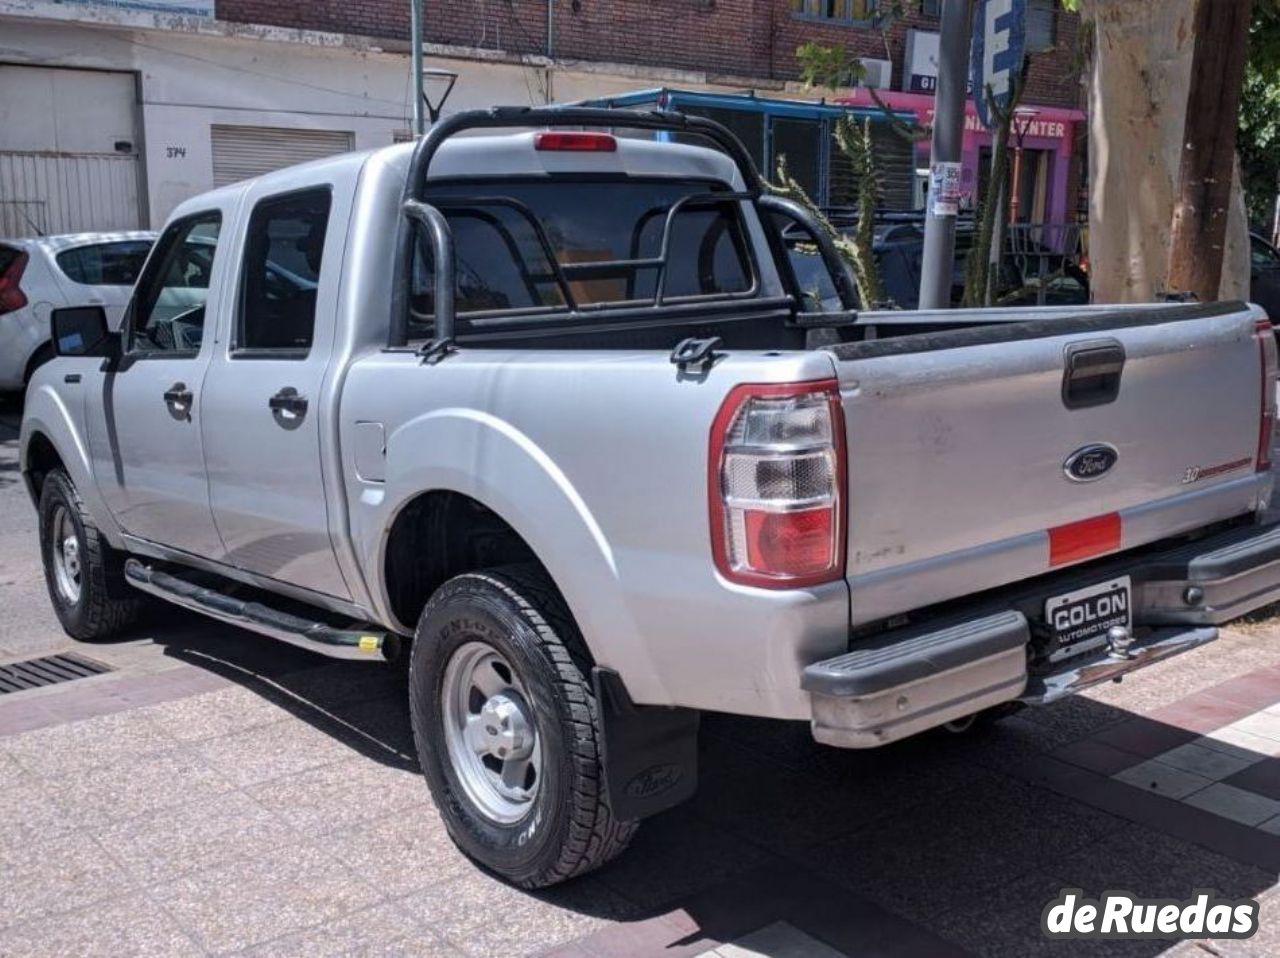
(1258, 139)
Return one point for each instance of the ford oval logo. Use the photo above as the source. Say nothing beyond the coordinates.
(1091, 462)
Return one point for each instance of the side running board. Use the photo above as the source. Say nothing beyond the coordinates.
(366, 645)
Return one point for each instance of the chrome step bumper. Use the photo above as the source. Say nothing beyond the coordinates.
(908, 680)
(902, 684)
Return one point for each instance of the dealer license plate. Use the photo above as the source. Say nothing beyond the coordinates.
(1079, 620)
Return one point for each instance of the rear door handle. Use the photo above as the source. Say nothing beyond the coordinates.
(178, 395)
(288, 400)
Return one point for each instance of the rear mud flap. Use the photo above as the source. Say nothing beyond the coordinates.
(649, 753)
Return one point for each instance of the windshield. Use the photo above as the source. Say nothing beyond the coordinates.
(548, 245)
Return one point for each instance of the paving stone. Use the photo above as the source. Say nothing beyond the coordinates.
(1264, 724)
(485, 918)
(344, 794)
(1271, 826)
(1235, 741)
(259, 899)
(56, 875)
(1248, 808)
(1153, 865)
(778, 940)
(400, 853)
(27, 809)
(214, 714)
(92, 743)
(132, 925)
(383, 930)
(654, 871)
(1154, 776)
(1206, 762)
(165, 845)
(266, 752)
(136, 787)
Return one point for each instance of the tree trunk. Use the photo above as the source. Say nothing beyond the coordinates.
(1138, 83)
(1207, 162)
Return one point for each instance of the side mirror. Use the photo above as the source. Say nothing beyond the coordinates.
(83, 331)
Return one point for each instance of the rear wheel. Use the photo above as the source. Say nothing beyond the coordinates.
(507, 730)
(85, 576)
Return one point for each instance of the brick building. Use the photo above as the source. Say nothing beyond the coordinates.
(752, 43)
(205, 91)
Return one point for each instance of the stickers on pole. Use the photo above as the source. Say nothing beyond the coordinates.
(999, 44)
(944, 188)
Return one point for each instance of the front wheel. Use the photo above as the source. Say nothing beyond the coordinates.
(507, 730)
(84, 574)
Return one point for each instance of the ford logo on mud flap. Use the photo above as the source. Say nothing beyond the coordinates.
(654, 780)
(1090, 462)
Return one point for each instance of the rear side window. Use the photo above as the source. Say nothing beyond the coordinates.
(105, 264)
(282, 272)
(546, 245)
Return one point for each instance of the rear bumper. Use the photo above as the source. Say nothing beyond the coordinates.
(905, 681)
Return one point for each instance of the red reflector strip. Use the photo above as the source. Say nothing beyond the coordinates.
(576, 142)
(1085, 539)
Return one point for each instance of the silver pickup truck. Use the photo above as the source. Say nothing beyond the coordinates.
(551, 406)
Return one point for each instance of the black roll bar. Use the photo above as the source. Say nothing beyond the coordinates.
(446, 278)
(416, 210)
(841, 278)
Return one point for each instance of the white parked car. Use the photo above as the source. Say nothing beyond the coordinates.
(42, 274)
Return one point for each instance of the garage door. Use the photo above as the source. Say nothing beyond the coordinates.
(68, 151)
(241, 152)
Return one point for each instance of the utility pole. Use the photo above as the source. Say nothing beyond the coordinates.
(944, 165)
(415, 64)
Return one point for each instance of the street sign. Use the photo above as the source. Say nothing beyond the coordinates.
(999, 41)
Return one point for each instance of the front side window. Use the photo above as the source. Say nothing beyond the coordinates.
(105, 264)
(508, 246)
(282, 272)
(169, 307)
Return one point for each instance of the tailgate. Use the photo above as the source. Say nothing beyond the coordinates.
(977, 457)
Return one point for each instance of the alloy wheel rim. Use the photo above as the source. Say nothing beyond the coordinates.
(65, 548)
(490, 735)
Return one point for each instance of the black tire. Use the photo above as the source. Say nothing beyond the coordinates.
(569, 828)
(106, 604)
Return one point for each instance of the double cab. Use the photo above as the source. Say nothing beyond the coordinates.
(546, 406)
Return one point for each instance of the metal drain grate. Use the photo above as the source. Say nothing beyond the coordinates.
(49, 670)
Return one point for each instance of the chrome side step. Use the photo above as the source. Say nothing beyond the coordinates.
(365, 645)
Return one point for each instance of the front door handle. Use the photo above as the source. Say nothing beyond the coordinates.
(288, 400)
(179, 395)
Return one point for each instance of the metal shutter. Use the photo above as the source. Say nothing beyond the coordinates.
(242, 152)
(895, 161)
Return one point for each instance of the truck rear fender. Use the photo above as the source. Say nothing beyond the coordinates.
(488, 459)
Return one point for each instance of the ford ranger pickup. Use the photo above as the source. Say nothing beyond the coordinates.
(546, 405)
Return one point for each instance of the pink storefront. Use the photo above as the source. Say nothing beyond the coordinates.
(1043, 134)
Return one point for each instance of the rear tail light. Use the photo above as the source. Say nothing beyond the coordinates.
(1266, 338)
(776, 485)
(576, 142)
(11, 295)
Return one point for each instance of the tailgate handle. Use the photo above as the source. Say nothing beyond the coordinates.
(1092, 375)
